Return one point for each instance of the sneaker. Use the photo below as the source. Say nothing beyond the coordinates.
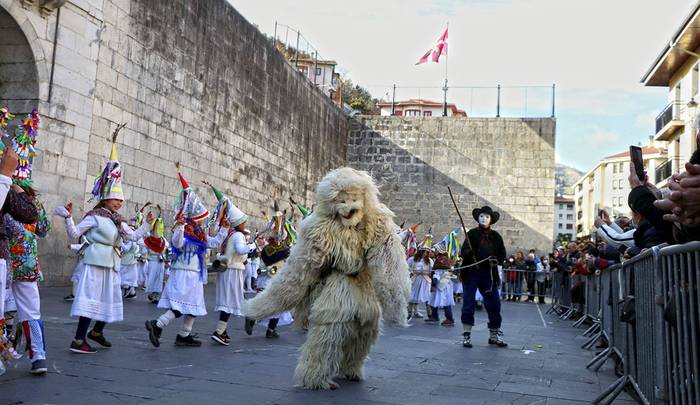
(131, 293)
(495, 339)
(69, 297)
(154, 332)
(418, 315)
(188, 341)
(466, 339)
(219, 338)
(226, 337)
(271, 333)
(39, 367)
(82, 348)
(248, 326)
(447, 322)
(99, 338)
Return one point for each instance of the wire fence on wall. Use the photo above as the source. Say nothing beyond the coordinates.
(478, 101)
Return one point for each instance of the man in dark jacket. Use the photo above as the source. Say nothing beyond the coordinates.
(481, 251)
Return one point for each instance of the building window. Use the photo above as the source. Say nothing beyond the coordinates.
(570, 216)
(318, 71)
(398, 113)
(614, 168)
(561, 206)
(569, 226)
(560, 226)
(561, 216)
(570, 207)
(427, 113)
(412, 113)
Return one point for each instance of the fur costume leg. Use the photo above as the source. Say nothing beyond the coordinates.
(320, 355)
(356, 349)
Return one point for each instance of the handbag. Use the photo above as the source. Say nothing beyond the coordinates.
(627, 311)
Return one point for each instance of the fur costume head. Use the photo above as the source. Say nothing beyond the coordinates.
(349, 197)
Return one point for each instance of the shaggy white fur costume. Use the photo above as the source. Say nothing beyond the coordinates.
(346, 271)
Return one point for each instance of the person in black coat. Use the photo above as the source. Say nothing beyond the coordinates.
(488, 250)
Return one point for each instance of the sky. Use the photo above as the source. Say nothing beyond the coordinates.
(594, 51)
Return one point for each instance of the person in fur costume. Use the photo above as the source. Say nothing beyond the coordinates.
(346, 271)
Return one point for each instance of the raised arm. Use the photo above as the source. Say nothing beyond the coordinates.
(21, 207)
(290, 286)
(216, 241)
(76, 231)
(132, 235)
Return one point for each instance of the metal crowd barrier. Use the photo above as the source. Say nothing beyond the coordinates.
(647, 310)
(514, 285)
(561, 295)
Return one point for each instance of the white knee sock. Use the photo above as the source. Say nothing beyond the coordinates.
(221, 327)
(187, 324)
(165, 319)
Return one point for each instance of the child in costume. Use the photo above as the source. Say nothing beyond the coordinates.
(156, 251)
(98, 295)
(442, 294)
(420, 267)
(184, 290)
(273, 256)
(233, 256)
(129, 268)
(25, 271)
(252, 264)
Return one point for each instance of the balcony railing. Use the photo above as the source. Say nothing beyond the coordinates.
(670, 113)
(664, 171)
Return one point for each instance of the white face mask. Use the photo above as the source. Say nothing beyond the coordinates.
(484, 220)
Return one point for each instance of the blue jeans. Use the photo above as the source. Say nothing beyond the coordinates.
(448, 313)
(482, 280)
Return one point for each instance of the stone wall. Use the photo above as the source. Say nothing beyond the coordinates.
(506, 163)
(193, 81)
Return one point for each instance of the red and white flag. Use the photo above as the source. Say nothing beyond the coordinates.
(435, 52)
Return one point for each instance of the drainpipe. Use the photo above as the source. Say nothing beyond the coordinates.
(53, 56)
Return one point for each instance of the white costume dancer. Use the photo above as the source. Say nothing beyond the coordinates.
(129, 268)
(98, 295)
(420, 267)
(184, 290)
(156, 250)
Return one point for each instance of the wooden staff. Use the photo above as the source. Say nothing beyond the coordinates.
(464, 228)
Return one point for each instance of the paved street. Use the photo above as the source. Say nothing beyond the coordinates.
(423, 364)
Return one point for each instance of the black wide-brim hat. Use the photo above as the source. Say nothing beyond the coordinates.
(486, 210)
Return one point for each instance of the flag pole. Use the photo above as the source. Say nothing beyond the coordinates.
(444, 89)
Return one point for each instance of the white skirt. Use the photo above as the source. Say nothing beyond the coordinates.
(98, 295)
(76, 273)
(27, 298)
(420, 290)
(10, 303)
(154, 276)
(129, 274)
(184, 292)
(251, 269)
(142, 269)
(229, 291)
(444, 298)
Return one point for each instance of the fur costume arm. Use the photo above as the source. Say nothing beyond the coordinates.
(291, 285)
(391, 279)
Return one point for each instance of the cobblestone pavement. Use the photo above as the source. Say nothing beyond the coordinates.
(422, 364)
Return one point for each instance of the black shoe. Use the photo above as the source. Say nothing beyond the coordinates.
(271, 333)
(82, 348)
(39, 367)
(467, 339)
(69, 297)
(154, 332)
(130, 294)
(248, 326)
(99, 338)
(220, 338)
(188, 341)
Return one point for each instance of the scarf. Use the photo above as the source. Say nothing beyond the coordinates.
(155, 244)
(195, 244)
(117, 219)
